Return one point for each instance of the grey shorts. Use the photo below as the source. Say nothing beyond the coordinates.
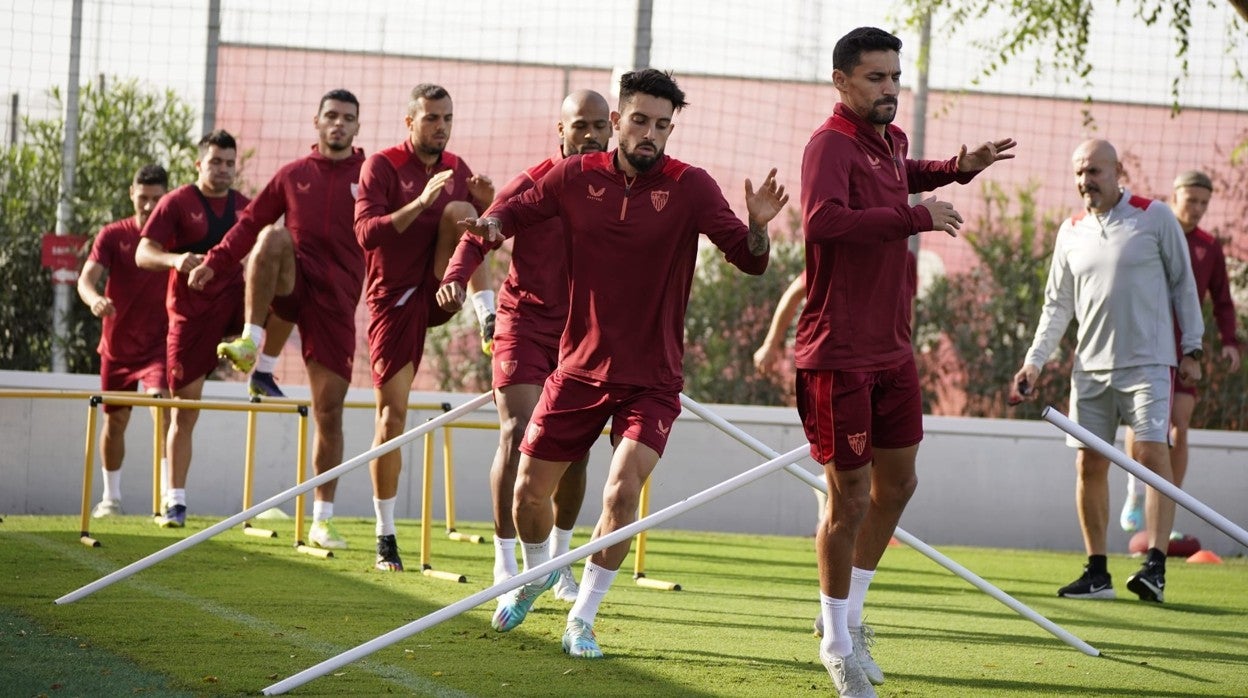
(1138, 396)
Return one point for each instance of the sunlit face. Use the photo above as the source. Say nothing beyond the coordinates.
(643, 128)
(144, 198)
(217, 168)
(429, 127)
(585, 130)
(1096, 177)
(1190, 204)
(336, 124)
(870, 89)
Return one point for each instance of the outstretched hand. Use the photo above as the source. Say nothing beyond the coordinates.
(765, 203)
(487, 228)
(986, 154)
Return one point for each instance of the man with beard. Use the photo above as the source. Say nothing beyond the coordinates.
(411, 197)
(187, 223)
(532, 310)
(132, 339)
(631, 220)
(309, 272)
(857, 387)
(1121, 270)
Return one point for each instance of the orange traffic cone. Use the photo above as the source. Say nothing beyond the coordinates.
(1205, 557)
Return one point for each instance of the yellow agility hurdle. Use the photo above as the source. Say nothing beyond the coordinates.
(132, 400)
(301, 474)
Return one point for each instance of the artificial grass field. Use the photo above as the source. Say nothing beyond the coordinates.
(237, 613)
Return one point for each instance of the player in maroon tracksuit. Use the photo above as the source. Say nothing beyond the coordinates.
(311, 271)
(1193, 190)
(857, 387)
(532, 310)
(631, 221)
(132, 340)
(410, 198)
(187, 223)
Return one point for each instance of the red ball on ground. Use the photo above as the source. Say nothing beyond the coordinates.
(1180, 547)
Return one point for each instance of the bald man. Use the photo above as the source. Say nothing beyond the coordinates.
(532, 310)
(1119, 268)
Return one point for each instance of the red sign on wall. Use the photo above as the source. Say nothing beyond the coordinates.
(60, 254)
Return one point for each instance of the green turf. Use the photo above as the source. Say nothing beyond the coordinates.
(237, 613)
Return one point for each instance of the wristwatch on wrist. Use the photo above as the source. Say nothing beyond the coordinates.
(1197, 354)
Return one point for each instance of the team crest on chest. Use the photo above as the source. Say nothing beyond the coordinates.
(355, 190)
(658, 199)
(449, 187)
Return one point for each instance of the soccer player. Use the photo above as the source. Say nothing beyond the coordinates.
(309, 272)
(631, 222)
(132, 340)
(1120, 268)
(532, 310)
(1192, 192)
(410, 199)
(857, 386)
(185, 225)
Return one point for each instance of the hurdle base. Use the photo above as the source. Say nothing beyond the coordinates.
(452, 534)
(86, 539)
(314, 552)
(444, 576)
(250, 530)
(643, 581)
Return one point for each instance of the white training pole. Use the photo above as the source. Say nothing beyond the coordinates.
(1154, 480)
(241, 517)
(542, 570)
(902, 535)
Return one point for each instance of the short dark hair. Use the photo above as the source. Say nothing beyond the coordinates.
(338, 95)
(220, 138)
(653, 82)
(426, 91)
(849, 49)
(152, 174)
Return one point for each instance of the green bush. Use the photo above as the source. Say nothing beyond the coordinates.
(120, 128)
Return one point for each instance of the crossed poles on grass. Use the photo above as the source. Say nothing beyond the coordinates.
(777, 461)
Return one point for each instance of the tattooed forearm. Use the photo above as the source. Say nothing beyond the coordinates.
(758, 241)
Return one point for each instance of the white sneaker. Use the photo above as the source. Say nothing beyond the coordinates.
(325, 535)
(106, 508)
(847, 677)
(863, 637)
(566, 589)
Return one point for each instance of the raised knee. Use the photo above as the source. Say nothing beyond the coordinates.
(456, 211)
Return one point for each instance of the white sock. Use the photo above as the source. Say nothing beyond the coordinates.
(266, 363)
(255, 333)
(504, 559)
(560, 541)
(322, 511)
(859, 580)
(595, 581)
(112, 484)
(384, 509)
(1133, 486)
(177, 495)
(535, 554)
(483, 304)
(836, 639)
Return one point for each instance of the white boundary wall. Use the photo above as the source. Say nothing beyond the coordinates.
(1000, 483)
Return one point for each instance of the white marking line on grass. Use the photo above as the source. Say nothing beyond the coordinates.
(304, 641)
